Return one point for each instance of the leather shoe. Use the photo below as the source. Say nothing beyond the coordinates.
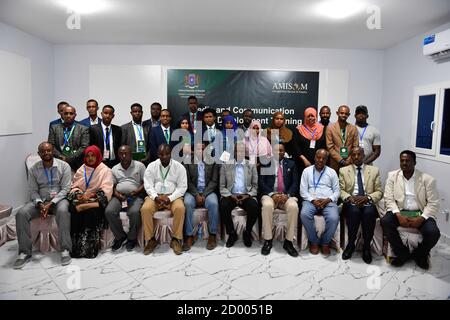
(289, 247)
(422, 260)
(265, 250)
(188, 242)
(326, 250)
(231, 240)
(151, 245)
(130, 245)
(175, 244)
(314, 248)
(367, 256)
(212, 242)
(347, 254)
(247, 238)
(399, 261)
(118, 243)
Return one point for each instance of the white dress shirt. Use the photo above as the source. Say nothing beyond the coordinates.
(174, 185)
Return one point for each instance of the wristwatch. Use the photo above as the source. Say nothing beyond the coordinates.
(370, 199)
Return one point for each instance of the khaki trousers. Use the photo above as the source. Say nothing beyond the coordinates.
(291, 209)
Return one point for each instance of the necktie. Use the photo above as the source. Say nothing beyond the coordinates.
(193, 120)
(280, 184)
(166, 134)
(107, 145)
(360, 183)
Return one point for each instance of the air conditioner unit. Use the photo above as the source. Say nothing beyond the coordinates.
(437, 46)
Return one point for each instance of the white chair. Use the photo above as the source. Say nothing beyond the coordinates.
(239, 217)
(319, 222)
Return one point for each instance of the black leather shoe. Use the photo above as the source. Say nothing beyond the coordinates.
(231, 240)
(118, 243)
(130, 245)
(265, 250)
(422, 260)
(347, 254)
(399, 261)
(247, 238)
(367, 256)
(289, 247)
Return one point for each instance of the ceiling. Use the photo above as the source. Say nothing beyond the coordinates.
(281, 23)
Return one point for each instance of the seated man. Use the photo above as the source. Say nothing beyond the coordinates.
(49, 182)
(69, 139)
(128, 178)
(238, 187)
(360, 186)
(202, 184)
(319, 189)
(279, 190)
(412, 201)
(165, 182)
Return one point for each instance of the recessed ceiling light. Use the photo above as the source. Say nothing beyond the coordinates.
(85, 6)
(340, 9)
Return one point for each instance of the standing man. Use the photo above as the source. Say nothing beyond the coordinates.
(128, 178)
(319, 189)
(342, 137)
(69, 139)
(135, 134)
(412, 201)
(203, 181)
(280, 190)
(155, 113)
(48, 182)
(193, 114)
(107, 137)
(60, 109)
(369, 137)
(247, 117)
(239, 187)
(160, 134)
(165, 182)
(325, 114)
(92, 109)
(360, 186)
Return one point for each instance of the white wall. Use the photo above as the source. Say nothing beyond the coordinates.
(405, 67)
(15, 148)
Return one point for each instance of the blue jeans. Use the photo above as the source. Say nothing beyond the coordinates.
(331, 215)
(211, 203)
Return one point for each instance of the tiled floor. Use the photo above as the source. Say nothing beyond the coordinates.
(236, 273)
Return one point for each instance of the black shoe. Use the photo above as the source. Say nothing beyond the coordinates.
(289, 247)
(247, 238)
(265, 250)
(347, 254)
(130, 245)
(367, 256)
(231, 240)
(118, 243)
(422, 259)
(399, 261)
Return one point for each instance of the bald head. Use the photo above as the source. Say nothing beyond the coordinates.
(164, 154)
(321, 158)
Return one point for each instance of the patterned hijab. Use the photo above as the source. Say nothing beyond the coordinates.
(310, 131)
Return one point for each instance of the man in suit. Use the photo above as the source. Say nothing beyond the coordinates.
(193, 114)
(412, 201)
(60, 109)
(107, 137)
(239, 187)
(279, 190)
(342, 137)
(160, 135)
(69, 139)
(135, 134)
(360, 186)
(202, 186)
(92, 109)
(155, 113)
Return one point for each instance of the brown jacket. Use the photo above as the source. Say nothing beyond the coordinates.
(334, 142)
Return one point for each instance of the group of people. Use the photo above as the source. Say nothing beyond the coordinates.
(92, 170)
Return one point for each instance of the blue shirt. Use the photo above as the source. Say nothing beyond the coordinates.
(327, 187)
(239, 180)
(201, 177)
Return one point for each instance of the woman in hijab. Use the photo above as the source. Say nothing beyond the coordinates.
(257, 146)
(280, 132)
(307, 139)
(91, 189)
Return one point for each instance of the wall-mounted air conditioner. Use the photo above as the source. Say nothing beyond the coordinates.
(437, 46)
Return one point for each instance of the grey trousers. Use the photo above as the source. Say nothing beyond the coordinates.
(112, 213)
(29, 212)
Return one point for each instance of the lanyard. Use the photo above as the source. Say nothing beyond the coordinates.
(314, 178)
(139, 130)
(86, 180)
(49, 179)
(313, 133)
(361, 136)
(343, 136)
(106, 138)
(66, 138)
(164, 176)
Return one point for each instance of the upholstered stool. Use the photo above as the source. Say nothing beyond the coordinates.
(7, 229)
(239, 217)
(377, 241)
(163, 224)
(44, 234)
(411, 237)
(319, 222)
(5, 211)
(279, 225)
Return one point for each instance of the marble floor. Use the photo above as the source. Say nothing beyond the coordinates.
(236, 273)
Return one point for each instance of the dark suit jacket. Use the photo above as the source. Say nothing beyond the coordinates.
(148, 124)
(96, 138)
(290, 178)
(211, 178)
(129, 137)
(87, 122)
(155, 138)
(78, 141)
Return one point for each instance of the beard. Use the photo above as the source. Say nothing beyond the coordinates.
(325, 122)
